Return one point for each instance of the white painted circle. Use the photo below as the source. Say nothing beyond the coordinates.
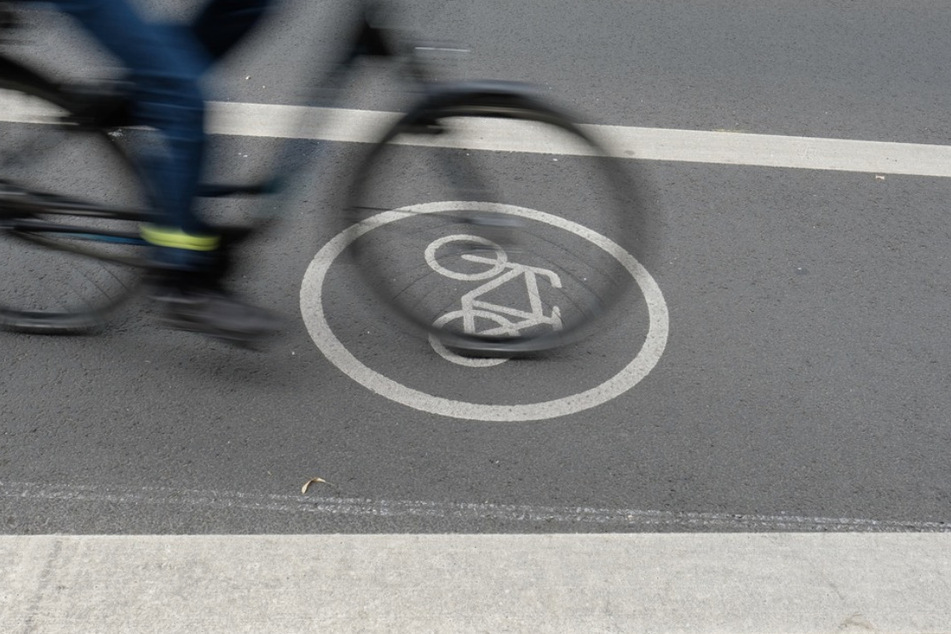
(311, 303)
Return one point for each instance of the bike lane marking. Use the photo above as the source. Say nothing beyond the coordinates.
(489, 311)
(311, 304)
(659, 144)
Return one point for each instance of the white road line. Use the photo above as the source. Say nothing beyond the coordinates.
(695, 146)
(563, 516)
(475, 583)
(659, 144)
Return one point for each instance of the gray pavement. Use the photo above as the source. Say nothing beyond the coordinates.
(476, 583)
(804, 385)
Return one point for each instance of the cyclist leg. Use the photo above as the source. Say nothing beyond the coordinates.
(164, 77)
(165, 65)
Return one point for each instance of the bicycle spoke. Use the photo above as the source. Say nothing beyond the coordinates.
(65, 191)
(458, 206)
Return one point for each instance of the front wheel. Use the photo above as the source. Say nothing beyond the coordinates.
(487, 201)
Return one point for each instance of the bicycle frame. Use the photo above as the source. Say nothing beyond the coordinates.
(367, 40)
(477, 210)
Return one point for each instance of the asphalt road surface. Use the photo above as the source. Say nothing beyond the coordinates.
(801, 383)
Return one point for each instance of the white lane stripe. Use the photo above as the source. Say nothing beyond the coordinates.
(695, 146)
(733, 148)
(615, 519)
(466, 583)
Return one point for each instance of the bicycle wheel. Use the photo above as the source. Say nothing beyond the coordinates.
(484, 200)
(68, 196)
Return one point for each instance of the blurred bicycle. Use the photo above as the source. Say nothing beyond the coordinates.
(462, 160)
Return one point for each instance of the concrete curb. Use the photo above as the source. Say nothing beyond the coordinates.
(777, 582)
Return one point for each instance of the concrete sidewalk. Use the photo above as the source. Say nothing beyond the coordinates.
(776, 582)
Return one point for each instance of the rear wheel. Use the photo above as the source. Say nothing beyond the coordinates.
(68, 225)
(492, 207)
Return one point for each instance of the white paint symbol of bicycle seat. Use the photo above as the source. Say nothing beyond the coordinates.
(505, 320)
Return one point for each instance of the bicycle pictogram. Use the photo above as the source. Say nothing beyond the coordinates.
(486, 318)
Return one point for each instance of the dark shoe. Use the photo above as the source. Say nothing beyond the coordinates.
(214, 313)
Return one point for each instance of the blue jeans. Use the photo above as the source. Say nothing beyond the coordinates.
(165, 63)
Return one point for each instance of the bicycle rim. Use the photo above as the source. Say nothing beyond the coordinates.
(496, 225)
(61, 245)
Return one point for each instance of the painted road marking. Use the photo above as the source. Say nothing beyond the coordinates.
(660, 144)
(694, 146)
(458, 359)
(562, 517)
(474, 309)
(312, 310)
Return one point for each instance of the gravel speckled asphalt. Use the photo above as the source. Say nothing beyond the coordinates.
(804, 385)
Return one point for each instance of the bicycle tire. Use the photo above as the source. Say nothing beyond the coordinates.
(433, 175)
(68, 229)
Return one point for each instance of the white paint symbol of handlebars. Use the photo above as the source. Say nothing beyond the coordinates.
(509, 321)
